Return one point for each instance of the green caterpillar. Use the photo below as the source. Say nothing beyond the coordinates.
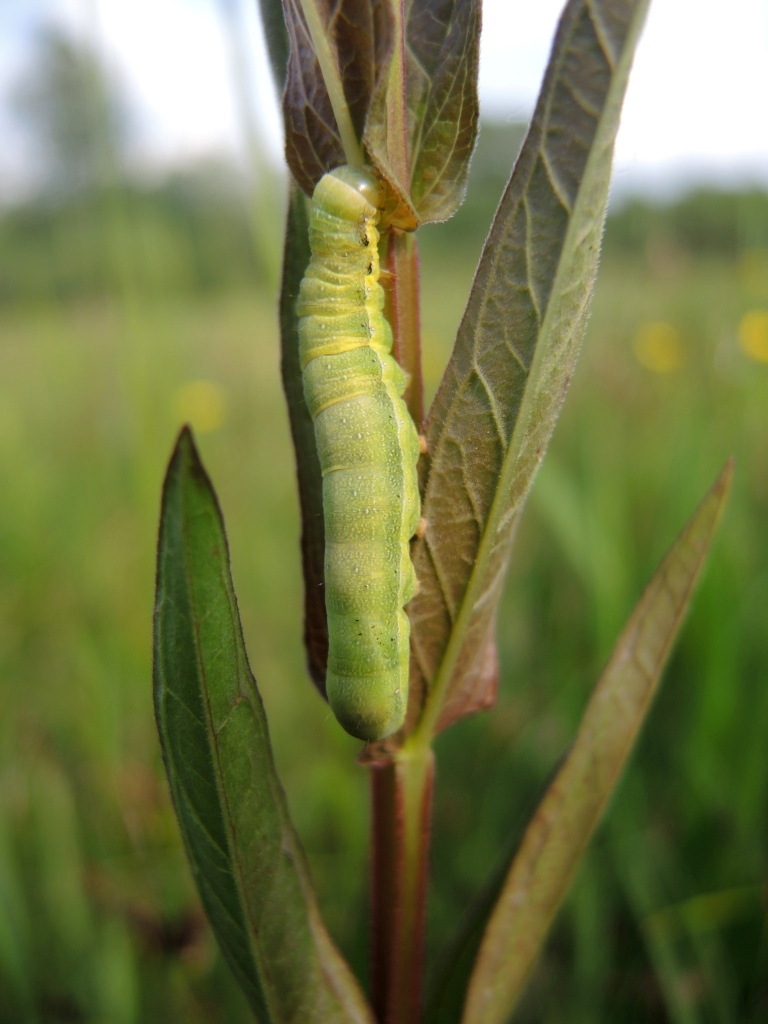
(368, 448)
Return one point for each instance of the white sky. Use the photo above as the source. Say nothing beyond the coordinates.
(696, 109)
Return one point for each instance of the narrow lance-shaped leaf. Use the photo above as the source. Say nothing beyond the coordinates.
(443, 42)
(358, 34)
(245, 855)
(515, 352)
(567, 816)
(309, 475)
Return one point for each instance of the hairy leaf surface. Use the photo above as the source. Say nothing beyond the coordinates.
(359, 38)
(422, 123)
(555, 839)
(443, 41)
(245, 855)
(308, 473)
(276, 37)
(515, 352)
(386, 130)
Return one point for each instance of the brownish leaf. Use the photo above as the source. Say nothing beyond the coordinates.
(442, 38)
(422, 124)
(515, 352)
(310, 480)
(359, 34)
(386, 130)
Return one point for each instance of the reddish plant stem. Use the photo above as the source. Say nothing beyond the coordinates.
(386, 829)
(401, 789)
(401, 798)
(402, 311)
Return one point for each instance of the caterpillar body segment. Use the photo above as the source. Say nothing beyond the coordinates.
(368, 448)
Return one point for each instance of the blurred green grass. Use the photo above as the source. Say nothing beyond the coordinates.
(98, 917)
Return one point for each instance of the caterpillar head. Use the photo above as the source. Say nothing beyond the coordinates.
(364, 181)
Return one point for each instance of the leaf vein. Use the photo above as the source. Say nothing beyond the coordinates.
(516, 355)
(557, 186)
(588, 107)
(602, 35)
(495, 413)
(444, 589)
(529, 257)
(193, 813)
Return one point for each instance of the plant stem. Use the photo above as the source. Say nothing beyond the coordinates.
(402, 312)
(401, 788)
(401, 793)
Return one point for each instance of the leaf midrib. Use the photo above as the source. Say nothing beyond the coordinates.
(214, 748)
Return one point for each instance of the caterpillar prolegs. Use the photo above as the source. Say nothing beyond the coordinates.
(368, 448)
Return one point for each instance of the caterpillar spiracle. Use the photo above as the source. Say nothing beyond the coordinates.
(368, 448)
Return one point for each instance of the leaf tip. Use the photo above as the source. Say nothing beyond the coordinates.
(725, 479)
(718, 493)
(186, 460)
(185, 444)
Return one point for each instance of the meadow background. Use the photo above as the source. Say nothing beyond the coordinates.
(129, 306)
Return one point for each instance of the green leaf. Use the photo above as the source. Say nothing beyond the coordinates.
(443, 40)
(515, 352)
(276, 37)
(555, 839)
(423, 119)
(245, 855)
(310, 478)
(357, 42)
(386, 130)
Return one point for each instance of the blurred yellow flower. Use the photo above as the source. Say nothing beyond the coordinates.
(753, 334)
(201, 403)
(659, 347)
